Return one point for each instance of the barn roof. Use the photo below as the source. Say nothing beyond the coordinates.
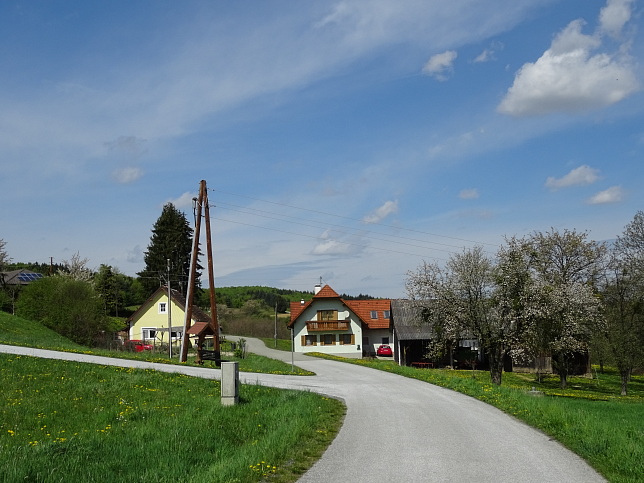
(407, 321)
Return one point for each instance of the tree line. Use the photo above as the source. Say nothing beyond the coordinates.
(553, 293)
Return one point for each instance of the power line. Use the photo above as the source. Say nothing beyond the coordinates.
(356, 232)
(341, 242)
(353, 219)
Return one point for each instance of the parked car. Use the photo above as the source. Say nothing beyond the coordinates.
(384, 350)
(137, 346)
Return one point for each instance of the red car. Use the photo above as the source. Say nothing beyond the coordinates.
(384, 350)
(138, 346)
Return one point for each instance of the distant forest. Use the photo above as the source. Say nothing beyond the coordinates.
(232, 297)
(236, 297)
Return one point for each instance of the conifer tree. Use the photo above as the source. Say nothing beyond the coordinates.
(171, 239)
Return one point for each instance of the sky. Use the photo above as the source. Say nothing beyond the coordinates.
(341, 141)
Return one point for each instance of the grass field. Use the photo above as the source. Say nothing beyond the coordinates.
(17, 331)
(590, 417)
(68, 421)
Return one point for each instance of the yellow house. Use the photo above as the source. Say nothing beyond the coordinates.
(151, 321)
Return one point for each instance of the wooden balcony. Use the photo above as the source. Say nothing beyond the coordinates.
(326, 325)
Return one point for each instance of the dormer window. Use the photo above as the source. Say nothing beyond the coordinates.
(374, 314)
(386, 314)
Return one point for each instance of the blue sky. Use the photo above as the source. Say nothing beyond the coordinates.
(348, 140)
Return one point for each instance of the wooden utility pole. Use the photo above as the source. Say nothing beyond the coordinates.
(202, 202)
(211, 273)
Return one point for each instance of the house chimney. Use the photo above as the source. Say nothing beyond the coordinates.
(317, 288)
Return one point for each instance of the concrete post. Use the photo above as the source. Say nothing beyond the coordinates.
(229, 383)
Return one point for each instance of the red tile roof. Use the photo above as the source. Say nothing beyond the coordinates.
(362, 308)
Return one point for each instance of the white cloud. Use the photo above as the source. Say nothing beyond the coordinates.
(440, 66)
(489, 53)
(614, 194)
(184, 201)
(335, 247)
(614, 16)
(484, 56)
(469, 194)
(127, 175)
(571, 76)
(382, 212)
(583, 175)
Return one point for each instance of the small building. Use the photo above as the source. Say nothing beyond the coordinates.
(410, 334)
(331, 325)
(19, 277)
(150, 322)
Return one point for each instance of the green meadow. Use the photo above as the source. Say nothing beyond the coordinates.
(69, 421)
(590, 418)
(23, 332)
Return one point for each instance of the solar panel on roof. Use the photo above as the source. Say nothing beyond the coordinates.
(29, 277)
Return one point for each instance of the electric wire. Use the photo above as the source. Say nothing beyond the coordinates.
(353, 219)
(355, 231)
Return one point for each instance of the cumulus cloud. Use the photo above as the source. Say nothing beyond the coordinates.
(614, 16)
(382, 212)
(583, 175)
(441, 66)
(614, 194)
(573, 75)
(184, 201)
(469, 194)
(332, 246)
(127, 175)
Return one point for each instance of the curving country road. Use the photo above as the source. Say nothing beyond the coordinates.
(400, 429)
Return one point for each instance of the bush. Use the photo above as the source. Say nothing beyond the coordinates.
(67, 306)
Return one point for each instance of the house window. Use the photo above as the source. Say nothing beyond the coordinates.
(310, 340)
(385, 340)
(347, 339)
(327, 315)
(328, 339)
(386, 314)
(148, 333)
(163, 308)
(374, 314)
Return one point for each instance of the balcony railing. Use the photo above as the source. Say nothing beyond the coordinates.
(323, 325)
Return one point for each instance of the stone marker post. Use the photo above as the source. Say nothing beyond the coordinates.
(229, 383)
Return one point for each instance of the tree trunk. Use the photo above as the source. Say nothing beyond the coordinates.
(495, 355)
(625, 376)
(563, 370)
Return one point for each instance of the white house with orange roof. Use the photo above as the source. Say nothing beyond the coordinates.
(331, 325)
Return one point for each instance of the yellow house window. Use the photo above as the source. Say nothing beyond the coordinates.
(148, 333)
(163, 308)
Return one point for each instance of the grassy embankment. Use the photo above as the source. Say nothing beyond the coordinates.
(590, 417)
(70, 421)
(17, 331)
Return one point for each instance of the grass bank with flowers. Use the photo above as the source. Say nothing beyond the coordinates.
(27, 333)
(69, 421)
(590, 418)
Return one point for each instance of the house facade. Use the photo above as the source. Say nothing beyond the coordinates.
(331, 325)
(151, 321)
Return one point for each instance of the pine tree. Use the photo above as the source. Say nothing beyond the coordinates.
(171, 239)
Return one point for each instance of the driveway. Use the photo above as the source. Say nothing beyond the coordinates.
(400, 429)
